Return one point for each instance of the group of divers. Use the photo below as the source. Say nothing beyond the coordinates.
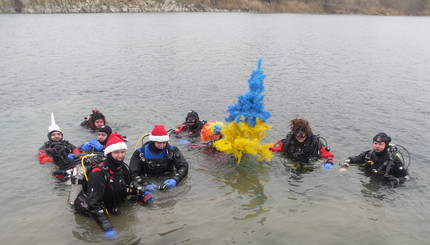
(101, 180)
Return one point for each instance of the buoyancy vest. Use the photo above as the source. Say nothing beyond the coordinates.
(79, 175)
(116, 181)
(58, 149)
(378, 164)
(156, 163)
(302, 151)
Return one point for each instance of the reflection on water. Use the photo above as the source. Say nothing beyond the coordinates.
(246, 185)
(298, 168)
(375, 190)
(245, 180)
(86, 232)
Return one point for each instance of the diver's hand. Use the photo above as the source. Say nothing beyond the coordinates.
(86, 147)
(328, 165)
(71, 156)
(95, 144)
(170, 183)
(111, 234)
(151, 187)
(147, 197)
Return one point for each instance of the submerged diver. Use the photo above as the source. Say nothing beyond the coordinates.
(98, 144)
(94, 121)
(383, 160)
(157, 158)
(192, 125)
(108, 184)
(58, 151)
(302, 145)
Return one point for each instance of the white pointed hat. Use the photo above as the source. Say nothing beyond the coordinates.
(53, 127)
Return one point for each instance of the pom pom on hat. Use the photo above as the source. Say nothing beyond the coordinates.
(159, 134)
(114, 143)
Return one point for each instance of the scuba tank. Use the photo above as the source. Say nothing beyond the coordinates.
(76, 187)
(404, 156)
(79, 174)
(396, 179)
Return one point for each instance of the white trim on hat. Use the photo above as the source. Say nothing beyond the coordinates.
(115, 147)
(159, 138)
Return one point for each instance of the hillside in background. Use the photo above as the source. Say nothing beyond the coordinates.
(368, 7)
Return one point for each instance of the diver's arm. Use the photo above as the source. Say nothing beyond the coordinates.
(180, 163)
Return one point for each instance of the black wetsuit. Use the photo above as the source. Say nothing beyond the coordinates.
(58, 151)
(380, 162)
(304, 151)
(190, 131)
(108, 185)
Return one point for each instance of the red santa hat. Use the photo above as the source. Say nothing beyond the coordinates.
(159, 134)
(114, 143)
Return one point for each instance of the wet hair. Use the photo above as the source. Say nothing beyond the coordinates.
(299, 124)
(96, 114)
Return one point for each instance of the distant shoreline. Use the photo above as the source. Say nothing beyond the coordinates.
(346, 7)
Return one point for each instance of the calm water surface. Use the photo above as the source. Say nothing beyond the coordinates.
(350, 76)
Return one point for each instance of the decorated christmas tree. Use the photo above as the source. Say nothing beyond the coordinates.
(246, 124)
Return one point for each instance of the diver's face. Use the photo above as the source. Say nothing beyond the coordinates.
(191, 121)
(160, 145)
(378, 146)
(118, 155)
(99, 123)
(56, 136)
(301, 137)
(102, 136)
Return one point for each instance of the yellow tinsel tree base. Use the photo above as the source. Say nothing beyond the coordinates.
(239, 138)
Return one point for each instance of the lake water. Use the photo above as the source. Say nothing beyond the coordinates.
(350, 76)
